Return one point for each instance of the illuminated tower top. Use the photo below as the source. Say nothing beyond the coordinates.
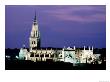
(35, 34)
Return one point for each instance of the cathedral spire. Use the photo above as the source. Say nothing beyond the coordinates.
(35, 20)
(35, 16)
(35, 34)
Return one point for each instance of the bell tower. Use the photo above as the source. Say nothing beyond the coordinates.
(34, 39)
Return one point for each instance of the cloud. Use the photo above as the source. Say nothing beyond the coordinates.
(76, 18)
(82, 14)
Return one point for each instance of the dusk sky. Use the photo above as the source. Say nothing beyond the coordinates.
(63, 25)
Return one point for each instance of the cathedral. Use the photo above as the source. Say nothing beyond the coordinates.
(71, 55)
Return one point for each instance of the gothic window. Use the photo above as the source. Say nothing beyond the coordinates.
(52, 55)
(32, 55)
(37, 55)
(42, 55)
(47, 55)
(33, 42)
(36, 33)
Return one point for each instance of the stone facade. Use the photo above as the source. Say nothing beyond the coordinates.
(71, 55)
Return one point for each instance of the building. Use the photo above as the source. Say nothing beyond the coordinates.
(34, 38)
(36, 53)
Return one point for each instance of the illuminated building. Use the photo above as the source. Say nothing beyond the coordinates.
(71, 55)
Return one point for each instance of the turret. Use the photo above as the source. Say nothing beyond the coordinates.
(92, 48)
(84, 47)
(74, 48)
(89, 48)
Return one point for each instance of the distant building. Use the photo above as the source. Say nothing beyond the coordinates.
(36, 53)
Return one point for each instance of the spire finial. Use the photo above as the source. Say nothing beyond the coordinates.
(35, 16)
(84, 47)
(24, 46)
(35, 20)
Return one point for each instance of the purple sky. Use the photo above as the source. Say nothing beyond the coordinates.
(59, 25)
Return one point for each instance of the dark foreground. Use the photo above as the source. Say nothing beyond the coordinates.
(29, 65)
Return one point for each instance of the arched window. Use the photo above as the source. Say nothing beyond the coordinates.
(47, 55)
(34, 42)
(52, 55)
(36, 33)
(37, 55)
(42, 55)
(32, 55)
